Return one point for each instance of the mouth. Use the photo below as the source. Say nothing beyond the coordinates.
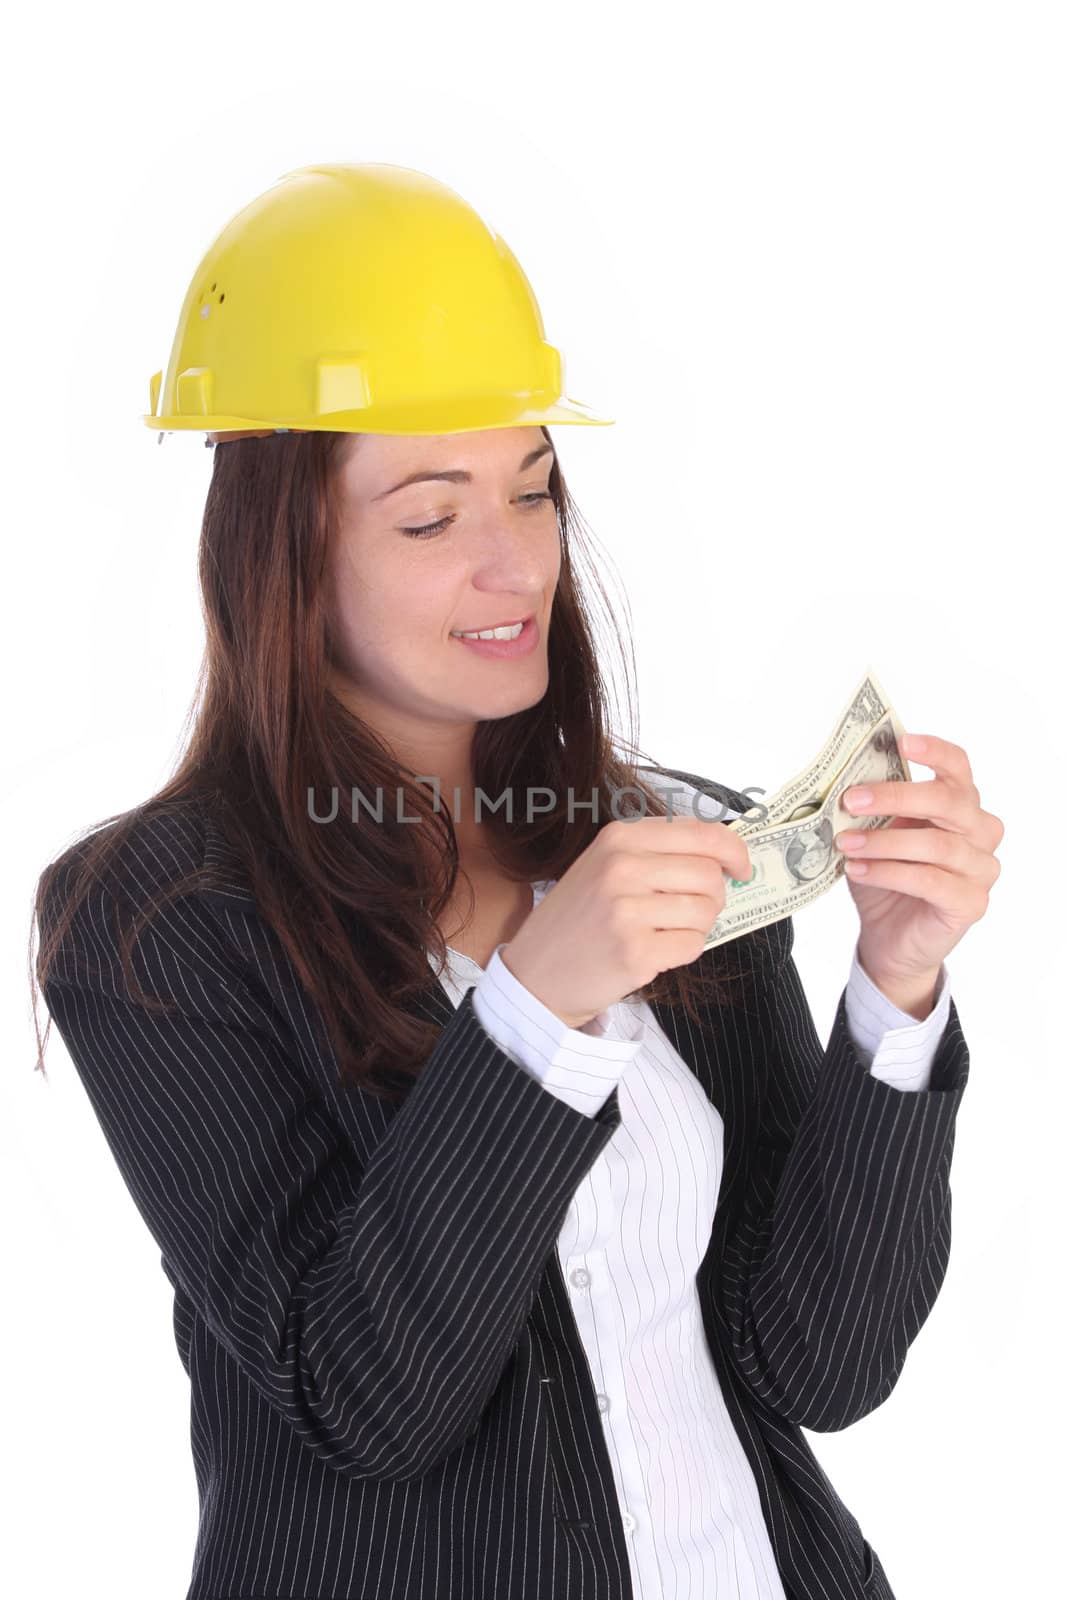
(521, 644)
(484, 627)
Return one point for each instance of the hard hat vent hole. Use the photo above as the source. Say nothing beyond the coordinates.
(222, 297)
(213, 288)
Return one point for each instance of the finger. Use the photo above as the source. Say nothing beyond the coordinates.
(957, 896)
(949, 850)
(954, 776)
(636, 876)
(935, 799)
(690, 835)
(947, 760)
(677, 912)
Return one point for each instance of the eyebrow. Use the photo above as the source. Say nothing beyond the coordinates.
(458, 476)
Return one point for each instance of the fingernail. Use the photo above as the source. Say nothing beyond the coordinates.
(856, 799)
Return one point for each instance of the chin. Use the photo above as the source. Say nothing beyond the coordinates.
(508, 702)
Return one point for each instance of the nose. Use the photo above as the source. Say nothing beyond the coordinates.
(510, 561)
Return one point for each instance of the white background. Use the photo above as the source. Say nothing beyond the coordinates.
(812, 260)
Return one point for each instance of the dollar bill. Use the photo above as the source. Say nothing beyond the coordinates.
(790, 837)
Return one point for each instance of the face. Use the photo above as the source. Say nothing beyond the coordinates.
(490, 554)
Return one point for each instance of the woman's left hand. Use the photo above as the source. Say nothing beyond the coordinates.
(929, 872)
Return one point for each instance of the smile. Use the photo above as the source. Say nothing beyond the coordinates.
(496, 630)
(504, 642)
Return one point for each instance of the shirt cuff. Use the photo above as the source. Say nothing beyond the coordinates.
(578, 1065)
(893, 1045)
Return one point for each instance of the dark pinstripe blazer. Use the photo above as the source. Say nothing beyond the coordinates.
(389, 1395)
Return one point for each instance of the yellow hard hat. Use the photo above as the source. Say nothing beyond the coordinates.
(360, 298)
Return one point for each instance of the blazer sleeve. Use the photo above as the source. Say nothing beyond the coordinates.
(840, 1241)
(374, 1305)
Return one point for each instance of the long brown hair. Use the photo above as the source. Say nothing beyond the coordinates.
(266, 732)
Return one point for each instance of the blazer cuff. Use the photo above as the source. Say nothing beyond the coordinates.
(893, 1045)
(578, 1065)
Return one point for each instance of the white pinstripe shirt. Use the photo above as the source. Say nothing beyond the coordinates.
(636, 1230)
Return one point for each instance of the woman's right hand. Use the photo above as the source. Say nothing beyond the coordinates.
(641, 898)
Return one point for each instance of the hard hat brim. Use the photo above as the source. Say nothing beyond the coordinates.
(461, 415)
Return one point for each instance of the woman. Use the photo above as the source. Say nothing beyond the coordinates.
(514, 1238)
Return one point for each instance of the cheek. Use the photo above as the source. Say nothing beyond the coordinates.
(392, 606)
(553, 559)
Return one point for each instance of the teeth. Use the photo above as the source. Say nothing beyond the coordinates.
(493, 633)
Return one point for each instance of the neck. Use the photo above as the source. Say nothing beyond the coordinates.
(440, 752)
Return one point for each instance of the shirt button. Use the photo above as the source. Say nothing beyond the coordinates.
(629, 1522)
(602, 1402)
(580, 1277)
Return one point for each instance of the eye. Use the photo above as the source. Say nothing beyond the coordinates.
(430, 528)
